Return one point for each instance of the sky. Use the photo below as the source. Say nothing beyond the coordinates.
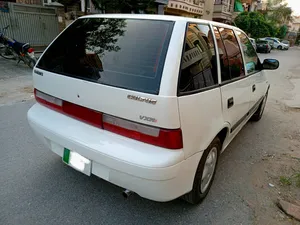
(295, 4)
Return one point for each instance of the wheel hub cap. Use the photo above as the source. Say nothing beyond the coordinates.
(209, 169)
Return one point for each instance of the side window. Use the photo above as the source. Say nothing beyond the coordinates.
(250, 56)
(230, 54)
(225, 72)
(198, 64)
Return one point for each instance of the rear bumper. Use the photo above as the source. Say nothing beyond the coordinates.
(152, 172)
(262, 49)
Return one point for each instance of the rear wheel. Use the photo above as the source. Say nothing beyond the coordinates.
(29, 61)
(279, 47)
(205, 173)
(6, 52)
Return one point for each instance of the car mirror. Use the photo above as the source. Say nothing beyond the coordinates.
(270, 64)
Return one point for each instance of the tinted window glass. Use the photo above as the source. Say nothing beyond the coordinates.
(234, 55)
(198, 66)
(250, 56)
(225, 71)
(124, 53)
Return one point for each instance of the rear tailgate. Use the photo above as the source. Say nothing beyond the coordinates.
(113, 66)
(111, 100)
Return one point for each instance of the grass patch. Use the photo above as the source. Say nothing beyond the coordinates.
(297, 177)
(286, 181)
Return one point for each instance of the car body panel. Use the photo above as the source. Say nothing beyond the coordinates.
(152, 172)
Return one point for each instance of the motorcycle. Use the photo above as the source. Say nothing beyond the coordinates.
(12, 49)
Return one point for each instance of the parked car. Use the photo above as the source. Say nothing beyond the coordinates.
(277, 44)
(253, 42)
(263, 46)
(128, 114)
(271, 43)
(286, 42)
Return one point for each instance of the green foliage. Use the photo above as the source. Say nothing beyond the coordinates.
(273, 29)
(279, 12)
(286, 181)
(282, 31)
(270, 23)
(254, 24)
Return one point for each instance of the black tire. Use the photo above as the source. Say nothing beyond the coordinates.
(279, 47)
(30, 61)
(196, 196)
(6, 53)
(259, 112)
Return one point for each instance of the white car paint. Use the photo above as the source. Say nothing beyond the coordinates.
(277, 43)
(152, 172)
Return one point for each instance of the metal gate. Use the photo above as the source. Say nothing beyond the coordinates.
(36, 25)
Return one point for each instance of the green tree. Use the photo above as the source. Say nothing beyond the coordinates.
(282, 32)
(254, 24)
(278, 12)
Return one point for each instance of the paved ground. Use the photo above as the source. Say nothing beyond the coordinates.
(36, 188)
(15, 82)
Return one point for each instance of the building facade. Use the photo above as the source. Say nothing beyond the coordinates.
(223, 10)
(226, 11)
(295, 25)
(188, 8)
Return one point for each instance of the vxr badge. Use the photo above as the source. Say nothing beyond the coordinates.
(149, 119)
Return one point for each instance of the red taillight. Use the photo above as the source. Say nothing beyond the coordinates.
(30, 50)
(171, 139)
(165, 138)
(48, 100)
(82, 113)
(79, 112)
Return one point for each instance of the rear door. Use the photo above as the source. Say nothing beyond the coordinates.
(199, 95)
(114, 66)
(235, 85)
(258, 82)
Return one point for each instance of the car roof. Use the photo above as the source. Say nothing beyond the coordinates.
(160, 17)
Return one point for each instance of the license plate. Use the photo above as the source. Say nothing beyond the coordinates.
(77, 161)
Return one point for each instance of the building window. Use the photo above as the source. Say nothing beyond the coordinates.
(176, 6)
(171, 5)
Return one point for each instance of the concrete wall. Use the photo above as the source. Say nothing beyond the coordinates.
(208, 10)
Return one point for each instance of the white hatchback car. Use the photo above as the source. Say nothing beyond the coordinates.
(147, 102)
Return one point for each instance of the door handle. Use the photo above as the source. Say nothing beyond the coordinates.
(230, 102)
(253, 87)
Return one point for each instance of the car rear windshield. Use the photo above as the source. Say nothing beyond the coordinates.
(125, 53)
